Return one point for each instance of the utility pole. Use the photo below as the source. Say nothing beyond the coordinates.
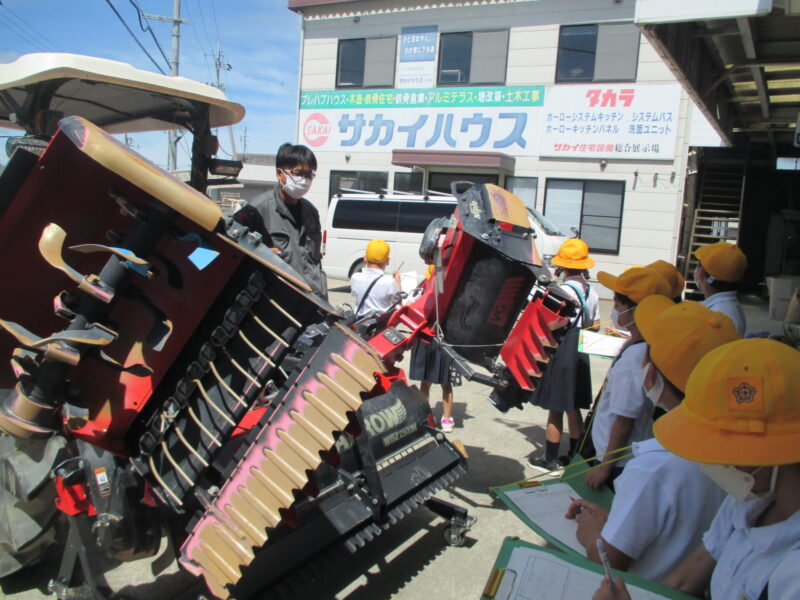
(220, 64)
(172, 150)
(244, 140)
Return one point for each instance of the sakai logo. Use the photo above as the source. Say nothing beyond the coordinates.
(316, 130)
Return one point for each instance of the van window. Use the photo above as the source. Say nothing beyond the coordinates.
(378, 215)
(548, 226)
(416, 216)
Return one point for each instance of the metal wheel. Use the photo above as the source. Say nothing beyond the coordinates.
(454, 535)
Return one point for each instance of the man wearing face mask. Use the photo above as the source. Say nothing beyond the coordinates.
(623, 414)
(291, 222)
(663, 503)
(722, 266)
(742, 408)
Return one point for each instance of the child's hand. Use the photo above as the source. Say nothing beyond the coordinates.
(598, 475)
(609, 591)
(590, 525)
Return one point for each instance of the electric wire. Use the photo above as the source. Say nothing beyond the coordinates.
(146, 27)
(47, 41)
(135, 39)
(16, 30)
(200, 43)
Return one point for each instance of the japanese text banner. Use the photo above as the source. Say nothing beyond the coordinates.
(508, 130)
(611, 121)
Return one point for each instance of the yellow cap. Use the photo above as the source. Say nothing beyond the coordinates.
(722, 261)
(573, 254)
(742, 407)
(671, 274)
(637, 283)
(377, 251)
(679, 335)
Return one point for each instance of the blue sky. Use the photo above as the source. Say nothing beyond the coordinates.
(259, 38)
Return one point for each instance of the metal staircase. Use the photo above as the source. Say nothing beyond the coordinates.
(717, 212)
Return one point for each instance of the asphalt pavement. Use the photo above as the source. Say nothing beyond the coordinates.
(409, 561)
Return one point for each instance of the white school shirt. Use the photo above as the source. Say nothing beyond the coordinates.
(747, 556)
(728, 304)
(662, 506)
(381, 296)
(623, 396)
(591, 300)
(784, 584)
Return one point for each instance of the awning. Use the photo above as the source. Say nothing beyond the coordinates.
(743, 71)
(445, 158)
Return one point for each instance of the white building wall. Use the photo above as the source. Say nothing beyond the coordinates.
(653, 188)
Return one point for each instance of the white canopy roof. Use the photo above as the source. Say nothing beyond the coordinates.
(114, 95)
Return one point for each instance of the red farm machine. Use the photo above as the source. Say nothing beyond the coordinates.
(166, 374)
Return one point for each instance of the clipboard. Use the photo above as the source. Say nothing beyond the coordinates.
(571, 476)
(502, 580)
(600, 344)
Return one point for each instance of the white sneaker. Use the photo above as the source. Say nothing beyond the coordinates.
(447, 425)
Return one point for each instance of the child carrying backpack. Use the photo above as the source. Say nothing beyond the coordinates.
(566, 386)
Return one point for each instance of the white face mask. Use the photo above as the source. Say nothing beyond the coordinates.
(615, 315)
(296, 186)
(735, 482)
(654, 393)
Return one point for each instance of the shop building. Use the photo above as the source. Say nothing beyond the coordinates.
(564, 102)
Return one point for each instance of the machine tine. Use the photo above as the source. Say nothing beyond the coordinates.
(51, 244)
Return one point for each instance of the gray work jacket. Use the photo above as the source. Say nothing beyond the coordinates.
(300, 244)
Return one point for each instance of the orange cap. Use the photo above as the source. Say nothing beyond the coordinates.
(377, 251)
(573, 254)
(742, 407)
(722, 261)
(637, 283)
(679, 335)
(671, 274)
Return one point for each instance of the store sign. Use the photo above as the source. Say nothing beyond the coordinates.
(500, 119)
(611, 121)
(416, 60)
(585, 121)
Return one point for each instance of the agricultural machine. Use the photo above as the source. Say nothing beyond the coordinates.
(170, 377)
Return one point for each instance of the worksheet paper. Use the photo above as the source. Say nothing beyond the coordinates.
(545, 505)
(533, 574)
(600, 344)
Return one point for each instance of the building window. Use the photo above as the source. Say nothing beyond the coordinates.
(473, 57)
(366, 63)
(408, 182)
(367, 181)
(593, 208)
(605, 52)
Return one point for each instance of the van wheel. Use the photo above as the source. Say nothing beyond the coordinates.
(357, 266)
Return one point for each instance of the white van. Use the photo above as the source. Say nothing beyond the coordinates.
(355, 218)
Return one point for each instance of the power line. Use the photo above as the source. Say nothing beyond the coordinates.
(46, 41)
(135, 39)
(214, 10)
(147, 28)
(16, 30)
(199, 40)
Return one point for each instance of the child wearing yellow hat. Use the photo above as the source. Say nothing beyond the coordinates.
(741, 420)
(374, 290)
(566, 386)
(663, 503)
(721, 267)
(623, 413)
